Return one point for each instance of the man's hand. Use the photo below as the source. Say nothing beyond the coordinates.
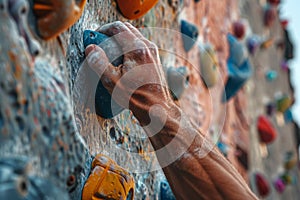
(139, 83)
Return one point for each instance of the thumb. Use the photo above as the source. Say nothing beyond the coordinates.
(98, 61)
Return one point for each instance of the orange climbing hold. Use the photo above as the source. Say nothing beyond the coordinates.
(108, 181)
(53, 17)
(134, 9)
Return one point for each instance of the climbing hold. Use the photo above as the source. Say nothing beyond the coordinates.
(105, 106)
(237, 51)
(178, 80)
(189, 33)
(135, 8)
(19, 10)
(284, 23)
(265, 44)
(108, 181)
(271, 75)
(279, 185)
(223, 148)
(165, 191)
(288, 46)
(283, 103)
(253, 43)
(175, 4)
(284, 65)
(288, 116)
(270, 13)
(238, 29)
(287, 178)
(237, 77)
(267, 133)
(209, 65)
(274, 2)
(53, 17)
(238, 66)
(16, 184)
(290, 160)
(262, 185)
(270, 109)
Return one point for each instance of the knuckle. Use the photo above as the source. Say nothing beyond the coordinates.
(153, 46)
(140, 47)
(118, 23)
(127, 23)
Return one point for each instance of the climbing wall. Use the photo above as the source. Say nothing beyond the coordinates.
(42, 113)
(46, 120)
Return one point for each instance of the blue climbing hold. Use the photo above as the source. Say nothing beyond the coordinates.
(239, 68)
(189, 33)
(178, 80)
(165, 191)
(236, 79)
(253, 43)
(105, 106)
(288, 116)
(237, 51)
(271, 75)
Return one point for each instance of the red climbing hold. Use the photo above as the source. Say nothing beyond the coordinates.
(262, 185)
(270, 14)
(265, 129)
(238, 29)
(274, 2)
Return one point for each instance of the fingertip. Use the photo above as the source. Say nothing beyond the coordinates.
(89, 49)
(94, 55)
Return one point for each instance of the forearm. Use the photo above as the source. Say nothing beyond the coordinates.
(194, 168)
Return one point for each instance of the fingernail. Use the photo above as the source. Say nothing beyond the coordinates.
(89, 48)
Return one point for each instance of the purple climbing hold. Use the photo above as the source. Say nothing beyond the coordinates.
(284, 66)
(270, 109)
(279, 185)
(252, 44)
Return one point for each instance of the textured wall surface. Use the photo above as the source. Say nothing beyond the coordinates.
(43, 99)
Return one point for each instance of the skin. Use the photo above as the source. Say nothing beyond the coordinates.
(194, 168)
